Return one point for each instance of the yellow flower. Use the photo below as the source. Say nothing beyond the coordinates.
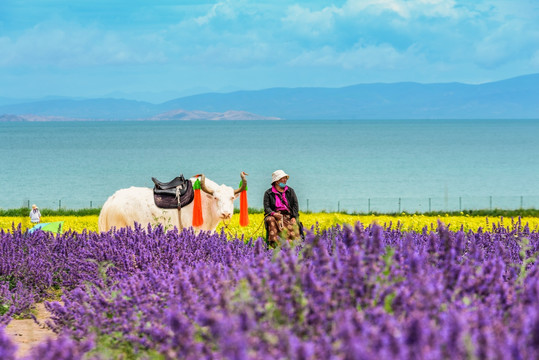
(317, 221)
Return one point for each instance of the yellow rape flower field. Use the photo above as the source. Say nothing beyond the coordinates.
(320, 220)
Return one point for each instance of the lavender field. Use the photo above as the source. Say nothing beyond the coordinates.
(361, 293)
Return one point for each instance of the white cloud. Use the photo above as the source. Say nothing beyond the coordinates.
(383, 38)
(227, 55)
(364, 57)
(353, 7)
(71, 45)
(308, 22)
(405, 9)
(511, 40)
(394, 31)
(223, 9)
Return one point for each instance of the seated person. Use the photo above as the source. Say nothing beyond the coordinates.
(281, 211)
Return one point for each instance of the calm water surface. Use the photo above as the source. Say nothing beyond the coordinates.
(352, 165)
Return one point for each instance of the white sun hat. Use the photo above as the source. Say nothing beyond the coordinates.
(278, 175)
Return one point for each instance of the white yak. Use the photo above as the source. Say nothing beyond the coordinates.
(136, 204)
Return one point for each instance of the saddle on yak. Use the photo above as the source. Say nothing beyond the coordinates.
(174, 194)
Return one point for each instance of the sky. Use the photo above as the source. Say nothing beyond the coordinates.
(156, 50)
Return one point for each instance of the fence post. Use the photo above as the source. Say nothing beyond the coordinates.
(59, 204)
(521, 202)
(369, 205)
(91, 203)
(399, 205)
(460, 203)
(307, 204)
(28, 204)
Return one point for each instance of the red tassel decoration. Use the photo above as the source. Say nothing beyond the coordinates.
(244, 212)
(197, 206)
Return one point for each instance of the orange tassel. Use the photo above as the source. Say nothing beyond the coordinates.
(244, 212)
(197, 206)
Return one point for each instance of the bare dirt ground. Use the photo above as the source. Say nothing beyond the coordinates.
(27, 334)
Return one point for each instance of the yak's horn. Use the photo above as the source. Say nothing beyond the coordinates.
(243, 183)
(203, 185)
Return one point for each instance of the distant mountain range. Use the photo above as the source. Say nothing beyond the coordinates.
(170, 115)
(513, 98)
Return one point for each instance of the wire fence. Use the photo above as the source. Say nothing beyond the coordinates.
(423, 204)
(351, 205)
(73, 204)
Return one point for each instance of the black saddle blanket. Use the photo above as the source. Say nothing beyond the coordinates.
(164, 194)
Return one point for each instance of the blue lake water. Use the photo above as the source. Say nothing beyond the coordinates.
(382, 165)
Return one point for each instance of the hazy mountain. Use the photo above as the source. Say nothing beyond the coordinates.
(35, 118)
(170, 115)
(155, 97)
(513, 98)
(86, 109)
(8, 101)
(204, 115)
(11, 101)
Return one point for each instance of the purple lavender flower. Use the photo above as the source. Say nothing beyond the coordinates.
(361, 292)
(7, 347)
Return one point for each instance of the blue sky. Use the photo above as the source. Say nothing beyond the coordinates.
(159, 49)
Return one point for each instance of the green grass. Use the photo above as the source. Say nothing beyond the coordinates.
(494, 212)
(95, 211)
(481, 212)
(50, 212)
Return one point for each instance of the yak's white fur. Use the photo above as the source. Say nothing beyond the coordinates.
(136, 204)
